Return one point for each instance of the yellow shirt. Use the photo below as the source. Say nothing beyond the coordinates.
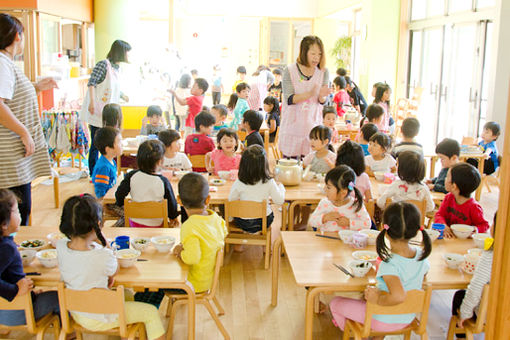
(201, 237)
(237, 82)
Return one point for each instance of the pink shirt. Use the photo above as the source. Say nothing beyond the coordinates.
(363, 183)
(223, 162)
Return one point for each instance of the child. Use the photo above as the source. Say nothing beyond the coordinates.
(375, 115)
(194, 102)
(351, 154)
(411, 171)
(255, 184)
(410, 128)
(232, 101)
(13, 282)
(194, 74)
(379, 160)
(272, 107)
(183, 91)
(200, 143)
(328, 119)
(112, 116)
(448, 151)
(154, 116)
(146, 184)
(402, 269)
(217, 86)
(357, 98)
(220, 114)
(109, 143)
(252, 120)
(366, 132)
(382, 97)
(490, 134)
(458, 207)
(85, 264)
(275, 90)
(341, 97)
(241, 106)
(241, 75)
(173, 159)
(322, 158)
(339, 210)
(225, 157)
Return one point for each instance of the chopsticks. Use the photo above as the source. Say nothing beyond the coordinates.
(33, 273)
(326, 236)
(346, 272)
(141, 260)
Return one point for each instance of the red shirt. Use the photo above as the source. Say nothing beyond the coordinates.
(194, 107)
(469, 213)
(198, 144)
(340, 98)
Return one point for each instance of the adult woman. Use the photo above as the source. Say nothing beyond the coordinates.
(23, 150)
(262, 78)
(304, 91)
(103, 88)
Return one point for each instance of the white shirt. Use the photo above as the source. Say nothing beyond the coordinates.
(8, 80)
(403, 191)
(179, 161)
(358, 219)
(384, 164)
(258, 192)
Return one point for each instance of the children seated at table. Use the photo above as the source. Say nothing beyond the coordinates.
(112, 116)
(409, 186)
(200, 143)
(403, 268)
(194, 102)
(147, 184)
(173, 159)
(272, 107)
(252, 120)
(366, 132)
(410, 128)
(448, 151)
(341, 97)
(85, 264)
(379, 160)
(329, 119)
(241, 105)
(351, 154)
(322, 158)
(220, 113)
(109, 143)
(154, 117)
(224, 158)
(458, 207)
(490, 134)
(338, 210)
(13, 282)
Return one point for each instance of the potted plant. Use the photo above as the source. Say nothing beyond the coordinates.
(341, 51)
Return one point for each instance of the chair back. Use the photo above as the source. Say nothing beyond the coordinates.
(23, 302)
(197, 161)
(216, 276)
(241, 134)
(467, 140)
(247, 210)
(482, 311)
(370, 206)
(266, 141)
(421, 205)
(151, 209)
(274, 146)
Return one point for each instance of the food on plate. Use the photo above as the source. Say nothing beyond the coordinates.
(32, 243)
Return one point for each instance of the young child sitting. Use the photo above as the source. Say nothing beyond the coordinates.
(154, 116)
(351, 154)
(409, 186)
(328, 119)
(85, 264)
(224, 158)
(146, 184)
(322, 158)
(341, 97)
(339, 210)
(379, 160)
(375, 115)
(112, 116)
(241, 106)
(109, 143)
(366, 132)
(220, 113)
(272, 107)
(200, 143)
(173, 159)
(252, 120)
(194, 102)
(490, 134)
(458, 207)
(410, 128)
(448, 151)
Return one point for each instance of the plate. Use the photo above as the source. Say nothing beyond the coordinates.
(217, 181)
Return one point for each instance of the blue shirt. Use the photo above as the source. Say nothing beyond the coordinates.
(365, 149)
(493, 151)
(104, 176)
(241, 107)
(11, 268)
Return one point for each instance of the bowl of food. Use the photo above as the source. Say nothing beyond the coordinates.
(480, 239)
(360, 268)
(127, 257)
(433, 234)
(180, 173)
(462, 231)
(475, 251)
(163, 244)
(27, 256)
(47, 257)
(379, 175)
(32, 244)
(453, 261)
(365, 255)
(372, 235)
(224, 175)
(217, 181)
(140, 243)
(54, 237)
(346, 235)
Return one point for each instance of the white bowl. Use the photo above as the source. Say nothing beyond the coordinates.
(433, 234)
(163, 244)
(360, 268)
(127, 257)
(475, 251)
(469, 264)
(379, 175)
(29, 244)
(372, 235)
(365, 255)
(180, 173)
(47, 257)
(140, 243)
(54, 237)
(462, 231)
(224, 175)
(27, 256)
(480, 239)
(346, 235)
(453, 261)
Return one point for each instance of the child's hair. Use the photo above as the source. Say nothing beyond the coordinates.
(7, 201)
(351, 154)
(185, 81)
(112, 115)
(241, 69)
(229, 133)
(154, 110)
(379, 92)
(494, 127)
(254, 119)
(149, 154)
(202, 84)
(193, 190)
(232, 101)
(382, 139)
(341, 72)
(254, 167)
(348, 80)
(466, 177)
(376, 85)
(340, 82)
(205, 109)
(411, 167)
(270, 100)
(368, 130)
(401, 222)
(328, 109)
(204, 119)
(81, 215)
(448, 147)
(167, 137)
(322, 133)
(277, 71)
(343, 177)
(222, 109)
(242, 86)
(410, 127)
(194, 72)
(105, 137)
(374, 111)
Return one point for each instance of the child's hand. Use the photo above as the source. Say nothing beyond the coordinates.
(25, 285)
(331, 216)
(369, 171)
(145, 119)
(448, 233)
(173, 223)
(343, 222)
(428, 181)
(460, 323)
(371, 294)
(178, 249)
(111, 280)
(431, 186)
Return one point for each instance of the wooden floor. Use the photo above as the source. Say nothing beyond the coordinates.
(245, 289)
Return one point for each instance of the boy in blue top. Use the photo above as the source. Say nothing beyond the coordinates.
(109, 143)
(242, 91)
(490, 134)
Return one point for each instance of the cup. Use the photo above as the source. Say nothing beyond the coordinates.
(359, 240)
(469, 264)
(233, 174)
(121, 242)
(440, 228)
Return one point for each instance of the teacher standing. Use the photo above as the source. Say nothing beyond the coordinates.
(305, 88)
(23, 150)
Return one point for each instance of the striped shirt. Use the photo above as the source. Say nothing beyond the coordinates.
(481, 277)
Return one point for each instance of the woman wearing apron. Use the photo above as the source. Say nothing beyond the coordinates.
(305, 88)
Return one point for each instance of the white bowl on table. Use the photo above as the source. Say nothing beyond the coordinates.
(127, 257)
(372, 235)
(365, 255)
(163, 244)
(32, 244)
(462, 231)
(27, 256)
(140, 243)
(453, 261)
(433, 234)
(360, 268)
(379, 175)
(54, 237)
(47, 257)
(480, 239)
(346, 235)
(475, 251)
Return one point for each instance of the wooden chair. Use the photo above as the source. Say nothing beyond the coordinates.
(274, 146)
(241, 134)
(39, 328)
(248, 209)
(149, 209)
(203, 298)
(494, 177)
(197, 161)
(421, 205)
(471, 327)
(370, 206)
(468, 140)
(416, 301)
(100, 301)
(266, 141)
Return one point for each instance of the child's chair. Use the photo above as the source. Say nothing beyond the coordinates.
(370, 206)
(471, 327)
(416, 301)
(468, 140)
(421, 205)
(39, 327)
(274, 146)
(204, 298)
(149, 209)
(266, 141)
(197, 161)
(248, 210)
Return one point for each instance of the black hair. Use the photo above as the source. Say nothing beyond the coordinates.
(105, 137)
(232, 101)
(184, 81)
(242, 86)
(254, 119)
(259, 69)
(340, 82)
(112, 115)
(379, 92)
(466, 177)
(376, 85)
(410, 127)
(351, 154)
(277, 71)
(368, 130)
(448, 147)
(154, 110)
(342, 72)
(194, 71)
(7, 201)
(322, 133)
(403, 221)
(254, 166)
(328, 109)
(118, 51)
(202, 84)
(204, 119)
(411, 166)
(167, 137)
(270, 100)
(382, 139)
(343, 177)
(205, 109)
(9, 27)
(149, 154)
(229, 133)
(494, 127)
(374, 111)
(222, 109)
(348, 80)
(193, 190)
(241, 69)
(81, 214)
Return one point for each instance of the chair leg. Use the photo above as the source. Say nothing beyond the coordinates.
(169, 307)
(346, 331)
(56, 327)
(268, 252)
(469, 335)
(451, 328)
(220, 309)
(216, 320)
(425, 336)
(62, 335)
(171, 321)
(407, 336)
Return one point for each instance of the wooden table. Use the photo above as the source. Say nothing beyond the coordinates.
(162, 270)
(311, 259)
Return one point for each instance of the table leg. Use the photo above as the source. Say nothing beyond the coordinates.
(478, 192)
(277, 246)
(312, 293)
(285, 221)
